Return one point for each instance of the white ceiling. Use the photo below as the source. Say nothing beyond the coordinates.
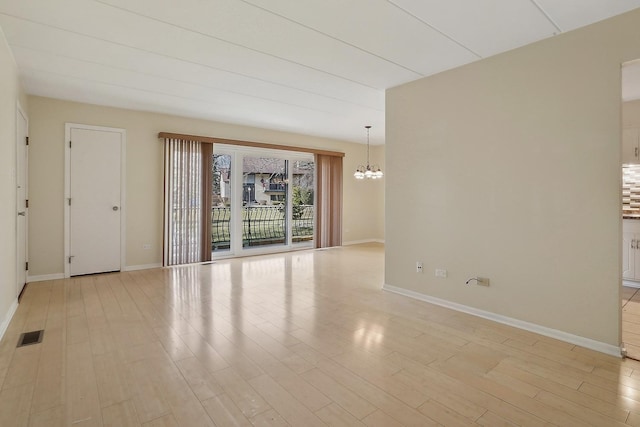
(317, 67)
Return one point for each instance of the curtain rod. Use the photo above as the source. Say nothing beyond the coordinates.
(211, 140)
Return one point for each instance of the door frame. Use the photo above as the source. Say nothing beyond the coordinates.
(20, 112)
(67, 190)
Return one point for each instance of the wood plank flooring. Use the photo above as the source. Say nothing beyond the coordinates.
(631, 321)
(300, 339)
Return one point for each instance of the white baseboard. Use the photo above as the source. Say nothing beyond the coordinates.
(56, 276)
(358, 242)
(142, 267)
(631, 284)
(520, 324)
(43, 277)
(7, 319)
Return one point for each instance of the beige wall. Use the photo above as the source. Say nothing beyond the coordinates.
(509, 168)
(10, 94)
(377, 157)
(144, 176)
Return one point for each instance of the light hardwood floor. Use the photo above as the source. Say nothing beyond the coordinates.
(631, 321)
(302, 339)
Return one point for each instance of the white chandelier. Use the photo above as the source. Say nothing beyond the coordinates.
(369, 172)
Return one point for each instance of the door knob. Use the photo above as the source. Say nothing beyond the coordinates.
(115, 208)
(23, 213)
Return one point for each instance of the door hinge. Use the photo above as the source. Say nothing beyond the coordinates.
(27, 139)
(69, 200)
(69, 143)
(70, 256)
(26, 266)
(26, 203)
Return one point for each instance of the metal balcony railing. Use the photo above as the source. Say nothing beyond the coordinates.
(261, 225)
(275, 187)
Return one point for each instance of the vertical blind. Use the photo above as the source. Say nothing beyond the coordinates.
(187, 201)
(329, 201)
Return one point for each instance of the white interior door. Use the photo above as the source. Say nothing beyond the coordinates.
(95, 202)
(21, 201)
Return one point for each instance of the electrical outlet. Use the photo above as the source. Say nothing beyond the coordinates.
(483, 281)
(419, 267)
(441, 272)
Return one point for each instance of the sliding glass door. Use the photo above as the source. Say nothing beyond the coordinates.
(263, 201)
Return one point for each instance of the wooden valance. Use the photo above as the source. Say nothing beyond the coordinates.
(211, 140)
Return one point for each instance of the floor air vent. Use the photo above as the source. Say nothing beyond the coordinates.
(29, 338)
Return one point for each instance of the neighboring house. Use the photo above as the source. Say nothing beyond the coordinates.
(222, 191)
(265, 179)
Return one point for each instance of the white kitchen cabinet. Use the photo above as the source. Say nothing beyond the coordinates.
(629, 255)
(631, 145)
(631, 249)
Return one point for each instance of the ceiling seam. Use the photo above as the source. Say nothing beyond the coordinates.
(180, 59)
(333, 38)
(416, 17)
(546, 15)
(163, 110)
(240, 45)
(66, 76)
(190, 83)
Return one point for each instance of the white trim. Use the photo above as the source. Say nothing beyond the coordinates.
(67, 189)
(142, 267)
(165, 206)
(43, 277)
(19, 267)
(358, 242)
(255, 252)
(520, 324)
(7, 319)
(631, 284)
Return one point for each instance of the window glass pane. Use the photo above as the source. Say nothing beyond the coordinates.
(264, 196)
(221, 204)
(303, 201)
